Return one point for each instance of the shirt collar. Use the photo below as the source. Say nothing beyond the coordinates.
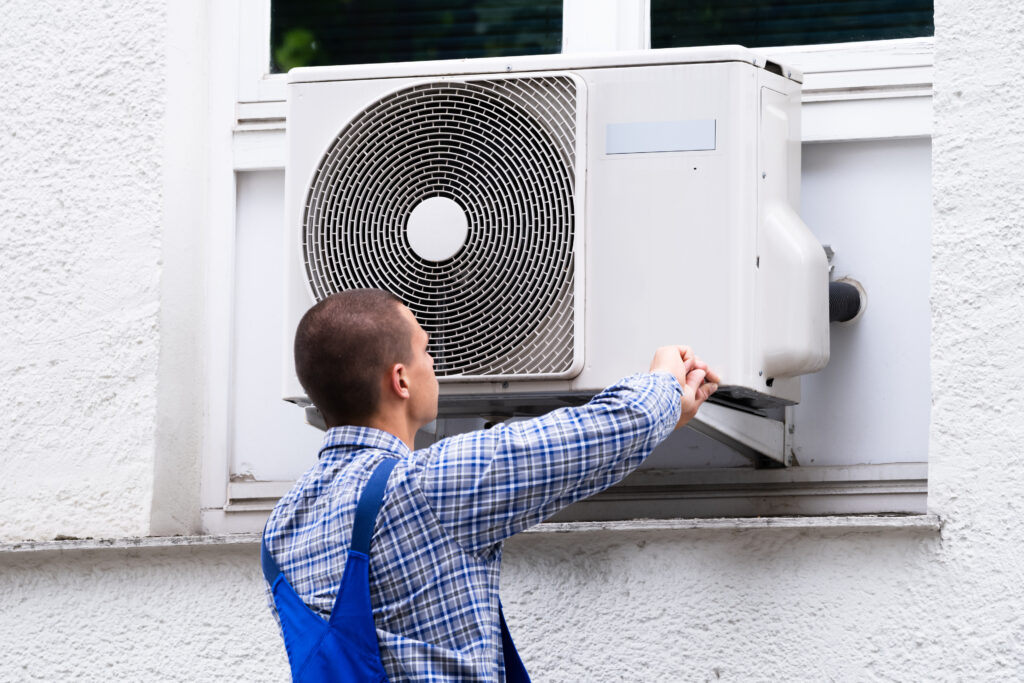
(349, 437)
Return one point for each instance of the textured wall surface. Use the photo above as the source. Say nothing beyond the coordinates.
(163, 614)
(759, 605)
(80, 203)
(696, 606)
(738, 606)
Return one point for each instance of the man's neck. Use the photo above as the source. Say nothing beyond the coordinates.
(396, 425)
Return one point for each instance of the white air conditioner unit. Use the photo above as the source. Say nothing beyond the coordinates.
(551, 220)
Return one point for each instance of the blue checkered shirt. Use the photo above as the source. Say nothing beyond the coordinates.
(435, 558)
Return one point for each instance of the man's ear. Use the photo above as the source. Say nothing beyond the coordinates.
(399, 381)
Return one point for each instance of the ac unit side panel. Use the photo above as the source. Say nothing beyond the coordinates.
(793, 275)
(669, 262)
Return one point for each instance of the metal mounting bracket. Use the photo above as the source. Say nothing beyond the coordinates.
(761, 439)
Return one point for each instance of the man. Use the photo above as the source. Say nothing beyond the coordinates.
(435, 555)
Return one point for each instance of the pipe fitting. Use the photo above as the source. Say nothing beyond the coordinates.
(846, 301)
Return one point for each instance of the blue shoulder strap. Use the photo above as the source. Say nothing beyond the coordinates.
(270, 568)
(369, 504)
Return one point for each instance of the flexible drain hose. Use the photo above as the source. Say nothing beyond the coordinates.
(844, 302)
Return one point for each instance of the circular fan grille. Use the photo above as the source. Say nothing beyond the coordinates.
(503, 151)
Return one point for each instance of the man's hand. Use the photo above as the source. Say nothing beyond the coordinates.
(694, 376)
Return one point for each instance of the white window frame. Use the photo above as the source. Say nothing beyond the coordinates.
(852, 91)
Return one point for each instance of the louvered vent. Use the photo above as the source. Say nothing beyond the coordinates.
(459, 197)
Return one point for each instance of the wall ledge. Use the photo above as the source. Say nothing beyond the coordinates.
(925, 523)
(920, 523)
(129, 543)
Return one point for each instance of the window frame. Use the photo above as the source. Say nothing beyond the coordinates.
(852, 91)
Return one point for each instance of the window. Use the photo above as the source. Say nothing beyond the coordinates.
(763, 23)
(313, 33)
(866, 178)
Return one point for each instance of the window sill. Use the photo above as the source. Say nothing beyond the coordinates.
(129, 543)
(743, 494)
(853, 523)
(923, 523)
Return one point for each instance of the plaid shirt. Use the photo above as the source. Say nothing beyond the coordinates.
(435, 557)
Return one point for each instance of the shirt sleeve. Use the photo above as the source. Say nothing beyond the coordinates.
(488, 485)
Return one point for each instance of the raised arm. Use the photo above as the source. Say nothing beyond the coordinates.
(488, 485)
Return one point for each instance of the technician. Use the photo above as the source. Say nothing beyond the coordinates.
(432, 521)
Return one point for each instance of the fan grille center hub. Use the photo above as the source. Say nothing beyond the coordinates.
(437, 229)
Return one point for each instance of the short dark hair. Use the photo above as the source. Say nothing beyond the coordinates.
(343, 345)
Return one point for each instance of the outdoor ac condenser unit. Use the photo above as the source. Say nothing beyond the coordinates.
(551, 220)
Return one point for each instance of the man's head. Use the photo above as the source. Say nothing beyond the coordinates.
(361, 352)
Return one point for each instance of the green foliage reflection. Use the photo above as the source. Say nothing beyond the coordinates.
(318, 32)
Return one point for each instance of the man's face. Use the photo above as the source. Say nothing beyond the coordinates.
(423, 383)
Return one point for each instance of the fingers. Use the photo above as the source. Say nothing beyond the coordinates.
(694, 380)
(706, 390)
(692, 362)
(703, 385)
(688, 358)
(697, 364)
(699, 381)
(710, 376)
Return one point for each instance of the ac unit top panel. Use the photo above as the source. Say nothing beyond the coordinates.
(555, 62)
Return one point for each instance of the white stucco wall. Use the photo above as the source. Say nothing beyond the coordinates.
(183, 614)
(81, 147)
(696, 605)
(599, 606)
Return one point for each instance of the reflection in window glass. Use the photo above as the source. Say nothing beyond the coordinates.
(319, 32)
(765, 23)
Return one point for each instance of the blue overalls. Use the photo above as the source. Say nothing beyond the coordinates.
(344, 648)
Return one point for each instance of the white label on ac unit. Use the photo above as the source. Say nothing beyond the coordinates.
(660, 136)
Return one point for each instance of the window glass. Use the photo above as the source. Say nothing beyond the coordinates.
(770, 23)
(319, 32)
